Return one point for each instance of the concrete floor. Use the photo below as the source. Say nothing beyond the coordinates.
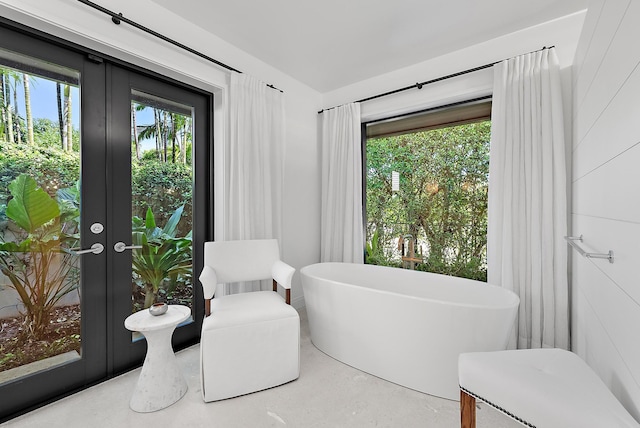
(327, 394)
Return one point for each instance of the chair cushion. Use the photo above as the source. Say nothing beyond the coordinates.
(246, 308)
(543, 387)
(250, 342)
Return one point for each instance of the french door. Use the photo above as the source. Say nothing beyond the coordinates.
(104, 182)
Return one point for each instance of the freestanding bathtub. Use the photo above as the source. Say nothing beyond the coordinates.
(405, 326)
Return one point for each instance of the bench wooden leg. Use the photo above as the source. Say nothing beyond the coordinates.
(467, 410)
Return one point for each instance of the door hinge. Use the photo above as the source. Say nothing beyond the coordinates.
(95, 58)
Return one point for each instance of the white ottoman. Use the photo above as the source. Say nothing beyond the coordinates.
(543, 388)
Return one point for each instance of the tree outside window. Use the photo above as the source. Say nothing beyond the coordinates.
(436, 220)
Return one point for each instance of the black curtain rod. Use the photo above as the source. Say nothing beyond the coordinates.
(419, 85)
(117, 18)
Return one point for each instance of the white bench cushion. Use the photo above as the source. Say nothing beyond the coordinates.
(545, 388)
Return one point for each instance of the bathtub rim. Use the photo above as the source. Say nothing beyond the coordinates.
(514, 299)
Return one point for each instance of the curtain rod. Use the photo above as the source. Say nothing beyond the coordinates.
(419, 85)
(116, 18)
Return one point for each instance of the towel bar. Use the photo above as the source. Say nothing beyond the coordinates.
(572, 241)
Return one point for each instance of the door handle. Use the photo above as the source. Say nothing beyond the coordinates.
(96, 248)
(119, 247)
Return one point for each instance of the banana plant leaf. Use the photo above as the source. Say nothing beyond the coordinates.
(30, 207)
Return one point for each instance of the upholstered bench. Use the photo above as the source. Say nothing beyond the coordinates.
(543, 388)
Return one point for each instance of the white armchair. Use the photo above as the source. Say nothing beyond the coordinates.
(249, 341)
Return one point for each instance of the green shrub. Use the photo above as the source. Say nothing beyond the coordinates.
(441, 201)
(163, 187)
(52, 168)
(164, 259)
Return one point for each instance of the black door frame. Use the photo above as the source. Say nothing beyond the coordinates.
(102, 339)
(125, 353)
(31, 391)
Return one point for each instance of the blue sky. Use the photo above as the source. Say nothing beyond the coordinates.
(44, 105)
(44, 100)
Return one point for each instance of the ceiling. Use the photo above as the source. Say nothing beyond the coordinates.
(329, 44)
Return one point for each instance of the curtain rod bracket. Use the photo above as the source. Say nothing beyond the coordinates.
(115, 19)
(273, 87)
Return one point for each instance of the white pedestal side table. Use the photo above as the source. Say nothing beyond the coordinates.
(161, 382)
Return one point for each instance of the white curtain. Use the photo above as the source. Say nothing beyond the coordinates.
(254, 162)
(341, 218)
(527, 216)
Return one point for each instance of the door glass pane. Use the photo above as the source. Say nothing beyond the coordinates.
(40, 290)
(162, 207)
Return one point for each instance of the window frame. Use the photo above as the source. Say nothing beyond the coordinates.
(487, 99)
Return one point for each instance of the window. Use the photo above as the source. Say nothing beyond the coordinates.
(426, 190)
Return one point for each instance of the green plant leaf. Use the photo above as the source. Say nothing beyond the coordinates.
(163, 257)
(172, 223)
(150, 221)
(31, 207)
(70, 195)
(14, 247)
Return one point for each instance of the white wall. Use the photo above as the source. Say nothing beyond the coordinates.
(76, 22)
(606, 202)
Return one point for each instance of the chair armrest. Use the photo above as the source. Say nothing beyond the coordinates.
(282, 273)
(209, 281)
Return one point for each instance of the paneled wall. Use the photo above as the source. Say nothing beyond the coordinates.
(606, 196)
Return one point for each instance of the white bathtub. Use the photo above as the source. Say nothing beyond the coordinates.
(404, 326)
